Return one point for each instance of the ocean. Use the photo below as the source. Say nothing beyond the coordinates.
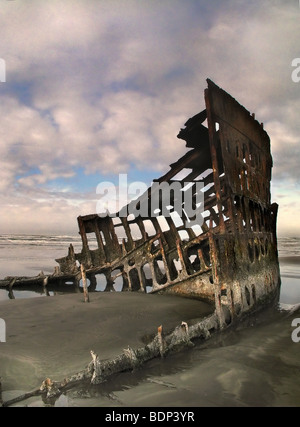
(256, 364)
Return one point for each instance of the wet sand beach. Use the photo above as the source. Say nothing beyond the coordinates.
(255, 363)
(52, 337)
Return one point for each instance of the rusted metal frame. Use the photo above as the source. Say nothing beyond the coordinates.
(125, 268)
(213, 137)
(158, 229)
(155, 284)
(274, 213)
(109, 282)
(210, 201)
(211, 120)
(174, 231)
(118, 226)
(253, 215)
(260, 148)
(181, 278)
(259, 189)
(139, 221)
(172, 199)
(215, 273)
(113, 278)
(206, 222)
(83, 233)
(167, 258)
(185, 219)
(243, 179)
(93, 282)
(130, 287)
(162, 251)
(175, 270)
(203, 266)
(248, 179)
(138, 267)
(247, 152)
(232, 212)
(125, 280)
(191, 233)
(198, 239)
(125, 275)
(230, 226)
(183, 248)
(214, 216)
(209, 198)
(179, 165)
(191, 176)
(110, 279)
(102, 255)
(141, 226)
(109, 245)
(172, 172)
(175, 169)
(157, 271)
(113, 235)
(129, 254)
(240, 143)
(239, 213)
(141, 284)
(128, 232)
(189, 230)
(245, 201)
(84, 239)
(188, 245)
(124, 249)
(185, 262)
(122, 259)
(143, 279)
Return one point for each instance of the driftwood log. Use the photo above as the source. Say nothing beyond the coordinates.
(99, 370)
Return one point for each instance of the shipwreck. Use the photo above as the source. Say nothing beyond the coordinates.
(224, 252)
(228, 258)
(231, 258)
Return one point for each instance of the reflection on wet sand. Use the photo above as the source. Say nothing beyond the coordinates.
(255, 363)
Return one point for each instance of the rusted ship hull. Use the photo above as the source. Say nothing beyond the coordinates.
(230, 258)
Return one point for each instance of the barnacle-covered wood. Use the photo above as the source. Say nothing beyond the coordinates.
(99, 370)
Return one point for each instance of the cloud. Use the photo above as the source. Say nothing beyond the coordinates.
(104, 87)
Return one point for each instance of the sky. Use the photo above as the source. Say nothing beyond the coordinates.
(98, 88)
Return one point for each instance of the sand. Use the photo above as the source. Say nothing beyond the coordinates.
(52, 336)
